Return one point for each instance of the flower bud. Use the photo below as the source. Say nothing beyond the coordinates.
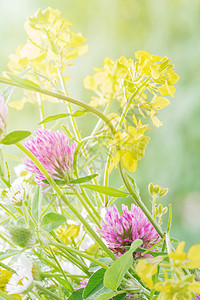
(3, 117)
(21, 236)
(36, 271)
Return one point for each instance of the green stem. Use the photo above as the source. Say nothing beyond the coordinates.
(64, 199)
(47, 274)
(7, 267)
(106, 177)
(124, 113)
(140, 203)
(61, 270)
(75, 128)
(85, 205)
(80, 253)
(62, 97)
(47, 292)
(7, 210)
(41, 107)
(13, 157)
(81, 265)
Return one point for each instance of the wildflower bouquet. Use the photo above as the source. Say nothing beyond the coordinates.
(63, 233)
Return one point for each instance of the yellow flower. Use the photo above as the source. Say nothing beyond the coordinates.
(65, 234)
(127, 81)
(177, 288)
(50, 48)
(106, 82)
(131, 144)
(190, 260)
(157, 67)
(146, 270)
(4, 278)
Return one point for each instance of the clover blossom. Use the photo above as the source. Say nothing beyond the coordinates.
(3, 117)
(121, 230)
(52, 149)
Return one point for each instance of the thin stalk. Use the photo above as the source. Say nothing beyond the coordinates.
(61, 270)
(47, 274)
(75, 127)
(41, 108)
(80, 253)
(85, 205)
(13, 157)
(87, 199)
(64, 199)
(62, 97)
(140, 203)
(106, 177)
(124, 113)
(81, 265)
(47, 292)
(7, 210)
(7, 267)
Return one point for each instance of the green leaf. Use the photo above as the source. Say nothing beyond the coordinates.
(53, 118)
(15, 137)
(64, 283)
(115, 274)
(51, 221)
(95, 286)
(77, 113)
(106, 296)
(84, 179)
(77, 295)
(105, 190)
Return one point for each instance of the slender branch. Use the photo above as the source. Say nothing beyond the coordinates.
(80, 253)
(140, 203)
(35, 88)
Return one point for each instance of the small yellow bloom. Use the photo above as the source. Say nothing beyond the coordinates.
(190, 260)
(106, 82)
(145, 270)
(177, 288)
(66, 233)
(131, 144)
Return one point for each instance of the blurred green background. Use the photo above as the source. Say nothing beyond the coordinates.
(121, 27)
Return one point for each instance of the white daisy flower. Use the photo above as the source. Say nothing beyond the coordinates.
(18, 193)
(22, 281)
